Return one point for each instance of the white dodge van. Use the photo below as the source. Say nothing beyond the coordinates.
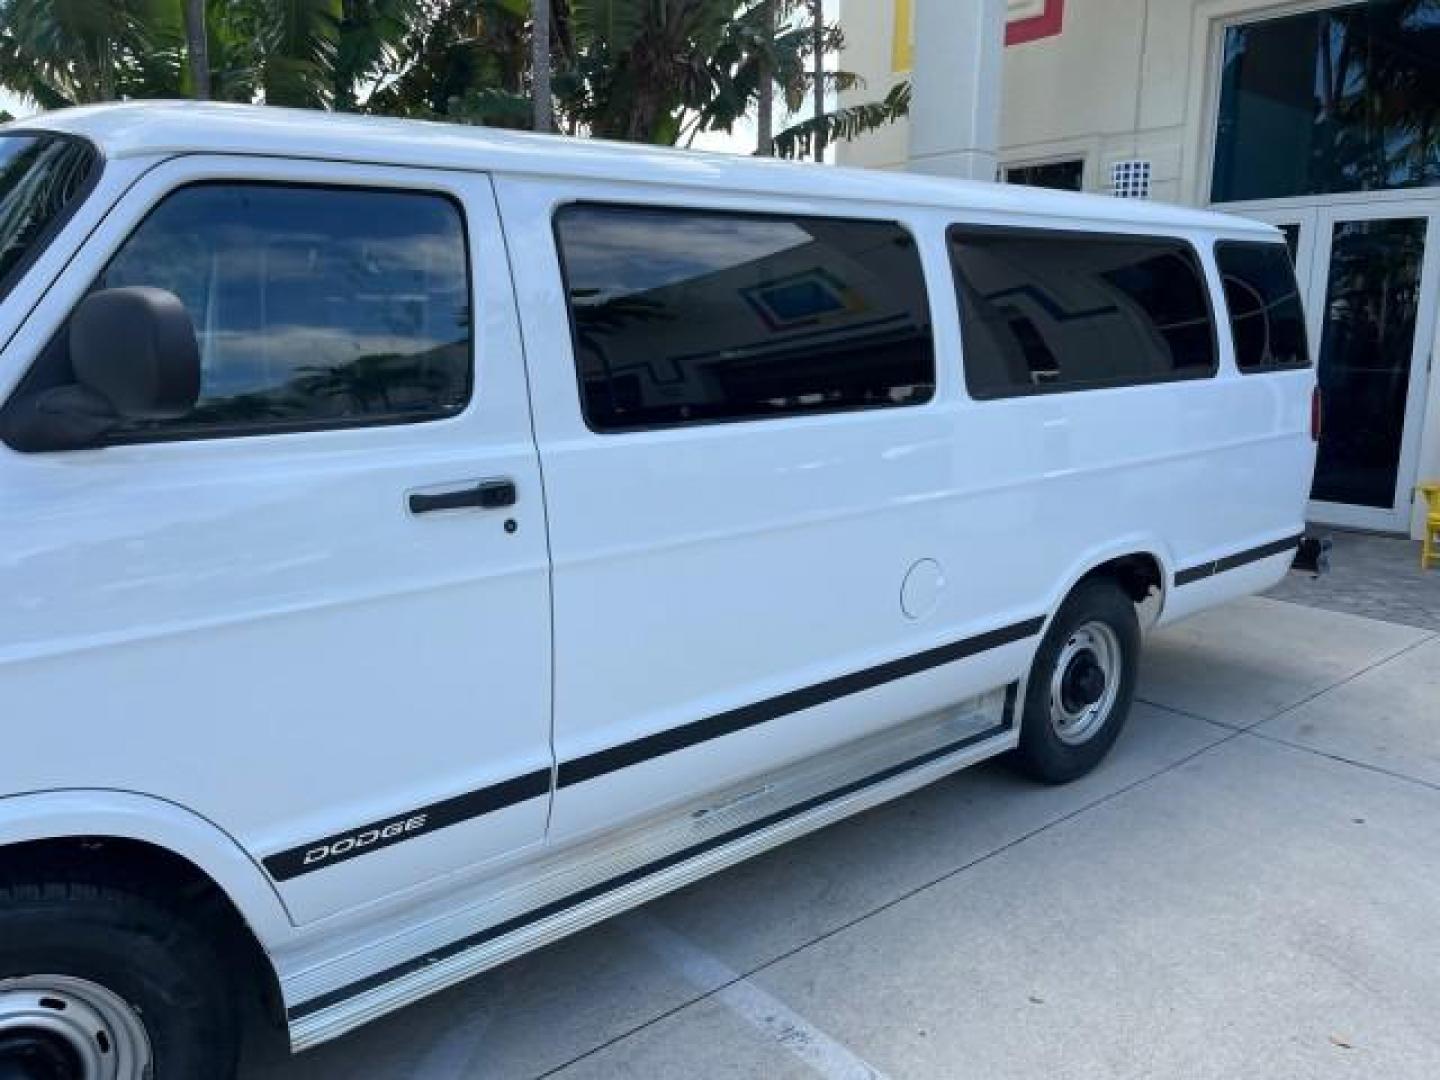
(418, 543)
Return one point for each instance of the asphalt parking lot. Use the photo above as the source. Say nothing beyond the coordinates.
(1250, 886)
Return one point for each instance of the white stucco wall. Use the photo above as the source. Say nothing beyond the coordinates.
(1113, 85)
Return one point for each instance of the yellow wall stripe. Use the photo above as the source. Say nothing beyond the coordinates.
(902, 49)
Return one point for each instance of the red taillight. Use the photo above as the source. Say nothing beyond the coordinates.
(1317, 414)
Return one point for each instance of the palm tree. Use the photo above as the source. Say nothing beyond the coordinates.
(299, 45)
(818, 29)
(645, 70)
(664, 70)
(464, 60)
(765, 104)
(68, 52)
(197, 48)
(65, 52)
(540, 66)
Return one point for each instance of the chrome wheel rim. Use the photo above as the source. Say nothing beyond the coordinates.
(1085, 682)
(58, 1027)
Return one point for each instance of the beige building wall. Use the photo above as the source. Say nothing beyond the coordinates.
(1123, 79)
(1113, 85)
(871, 52)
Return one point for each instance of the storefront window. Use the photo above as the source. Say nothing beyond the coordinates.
(1346, 99)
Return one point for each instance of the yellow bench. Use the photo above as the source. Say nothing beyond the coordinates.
(1430, 545)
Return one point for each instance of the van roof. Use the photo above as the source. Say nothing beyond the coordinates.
(179, 127)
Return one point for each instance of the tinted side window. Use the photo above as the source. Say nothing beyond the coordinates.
(313, 307)
(1266, 318)
(1051, 311)
(685, 316)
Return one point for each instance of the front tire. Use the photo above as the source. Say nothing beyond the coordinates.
(100, 981)
(1081, 684)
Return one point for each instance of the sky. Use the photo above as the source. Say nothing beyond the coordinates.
(14, 105)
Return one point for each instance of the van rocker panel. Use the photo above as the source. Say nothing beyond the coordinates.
(572, 890)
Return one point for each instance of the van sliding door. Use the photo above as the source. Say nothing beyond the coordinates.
(747, 447)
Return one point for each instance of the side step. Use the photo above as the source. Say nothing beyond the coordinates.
(330, 1014)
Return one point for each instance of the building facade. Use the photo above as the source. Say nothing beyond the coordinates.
(1321, 118)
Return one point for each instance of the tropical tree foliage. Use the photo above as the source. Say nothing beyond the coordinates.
(843, 124)
(660, 71)
(63, 52)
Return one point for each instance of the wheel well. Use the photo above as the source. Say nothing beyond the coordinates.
(1139, 575)
(165, 875)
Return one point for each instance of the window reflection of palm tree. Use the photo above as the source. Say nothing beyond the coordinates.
(1378, 89)
(367, 381)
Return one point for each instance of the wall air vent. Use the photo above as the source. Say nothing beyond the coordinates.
(1130, 179)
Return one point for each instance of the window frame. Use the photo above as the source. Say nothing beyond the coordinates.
(1192, 252)
(1270, 369)
(212, 432)
(730, 212)
(1206, 72)
(57, 224)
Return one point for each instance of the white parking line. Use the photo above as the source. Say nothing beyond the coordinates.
(766, 1014)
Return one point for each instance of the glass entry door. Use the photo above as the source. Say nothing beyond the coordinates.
(1370, 274)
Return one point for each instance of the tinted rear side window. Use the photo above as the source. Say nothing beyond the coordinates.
(689, 316)
(1266, 318)
(1051, 311)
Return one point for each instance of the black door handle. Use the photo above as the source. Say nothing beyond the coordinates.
(486, 495)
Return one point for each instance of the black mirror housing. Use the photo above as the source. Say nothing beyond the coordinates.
(135, 347)
(67, 417)
(133, 355)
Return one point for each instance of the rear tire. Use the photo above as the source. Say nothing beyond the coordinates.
(1081, 685)
(107, 981)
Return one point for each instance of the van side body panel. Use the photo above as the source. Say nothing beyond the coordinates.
(240, 648)
(715, 567)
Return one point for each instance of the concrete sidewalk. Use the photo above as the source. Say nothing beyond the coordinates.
(1250, 886)
(1372, 575)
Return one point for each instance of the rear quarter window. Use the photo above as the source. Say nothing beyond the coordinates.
(1047, 311)
(1267, 321)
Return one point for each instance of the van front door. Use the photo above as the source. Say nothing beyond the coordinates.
(315, 610)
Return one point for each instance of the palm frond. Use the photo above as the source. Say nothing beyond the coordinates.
(847, 123)
(492, 107)
(615, 25)
(301, 42)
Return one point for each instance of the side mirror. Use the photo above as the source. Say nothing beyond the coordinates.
(134, 356)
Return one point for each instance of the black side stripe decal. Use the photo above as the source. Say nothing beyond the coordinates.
(1240, 558)
(1194, 573)
(1255, 554)
(454, 948)
(363, 839)
(613, 758)
(329, 850)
